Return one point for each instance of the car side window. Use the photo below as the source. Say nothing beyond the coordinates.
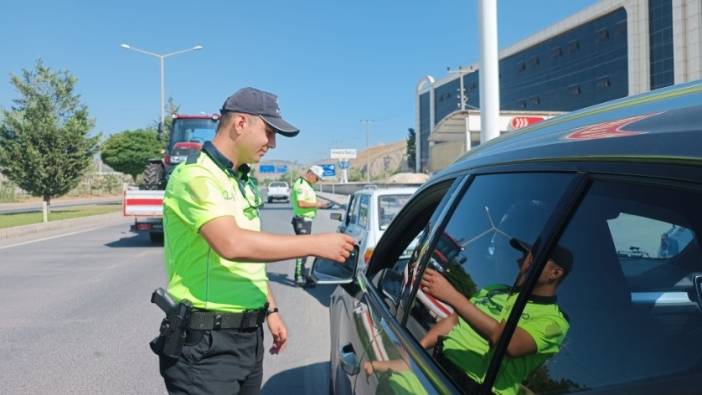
(474, 273)
(363, 211)
(634, 291)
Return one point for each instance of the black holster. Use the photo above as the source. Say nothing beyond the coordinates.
(173, 331)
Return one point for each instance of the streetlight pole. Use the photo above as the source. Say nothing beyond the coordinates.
(366, 123)
(161, 58)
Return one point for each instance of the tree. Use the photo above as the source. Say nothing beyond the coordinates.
(44, 143)
(411, 149)
(129, 151)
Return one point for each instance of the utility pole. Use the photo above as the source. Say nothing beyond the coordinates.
(489, 71)
(366, 123)
(464, 101)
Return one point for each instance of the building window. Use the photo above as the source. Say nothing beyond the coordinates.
(521, 66)
(556, 52)
(660, 13)
(603, 83)
(573, 46)
(603, 34)
(534, 61)
(574, 90)
(535, 100)
(522, 104)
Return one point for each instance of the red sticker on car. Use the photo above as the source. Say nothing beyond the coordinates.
(606, 130)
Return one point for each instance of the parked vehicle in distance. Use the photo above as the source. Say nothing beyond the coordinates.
(369, 212)
(573, 248)
(278, 190)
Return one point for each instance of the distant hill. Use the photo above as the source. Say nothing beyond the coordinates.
(384, 159)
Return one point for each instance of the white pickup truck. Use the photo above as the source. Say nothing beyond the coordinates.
(278, 190)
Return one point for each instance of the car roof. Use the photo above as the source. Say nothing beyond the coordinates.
(662, 125)
(389, 191)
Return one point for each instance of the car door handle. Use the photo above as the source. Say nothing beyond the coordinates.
(349, 360)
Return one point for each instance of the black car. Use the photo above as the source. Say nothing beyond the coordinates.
(579, 240)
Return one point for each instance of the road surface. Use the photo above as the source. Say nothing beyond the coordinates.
(77, 317)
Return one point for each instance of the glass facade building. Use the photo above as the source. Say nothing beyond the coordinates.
(586, 63)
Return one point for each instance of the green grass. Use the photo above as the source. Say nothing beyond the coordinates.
(10, 220)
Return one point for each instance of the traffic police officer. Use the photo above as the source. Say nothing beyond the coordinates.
(305, 205)
(215, 253)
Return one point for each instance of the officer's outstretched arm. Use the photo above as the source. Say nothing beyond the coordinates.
(234, 243)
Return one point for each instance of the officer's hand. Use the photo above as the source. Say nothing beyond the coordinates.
(278, 331)
(334, 246)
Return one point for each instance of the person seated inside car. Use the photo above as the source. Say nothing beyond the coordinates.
(463, 341)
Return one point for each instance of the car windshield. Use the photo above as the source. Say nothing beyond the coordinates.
(278, 185)
(389, 206)
(196, 130)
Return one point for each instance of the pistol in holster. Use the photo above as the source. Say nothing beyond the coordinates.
(174, 328)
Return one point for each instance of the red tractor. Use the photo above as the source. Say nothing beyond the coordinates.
(187, 134)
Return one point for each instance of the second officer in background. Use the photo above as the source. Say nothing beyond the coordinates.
(305, 205)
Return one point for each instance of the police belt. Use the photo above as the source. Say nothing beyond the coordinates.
(210, 320)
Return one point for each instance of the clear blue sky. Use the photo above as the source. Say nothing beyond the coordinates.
(332, 63)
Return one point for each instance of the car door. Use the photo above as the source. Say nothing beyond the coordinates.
(362, 318)
(387, 358)
(473, 253)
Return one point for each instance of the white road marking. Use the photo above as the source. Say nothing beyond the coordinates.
(53, 237)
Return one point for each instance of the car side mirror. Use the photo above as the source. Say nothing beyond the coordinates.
(325, 271)
(335, 216)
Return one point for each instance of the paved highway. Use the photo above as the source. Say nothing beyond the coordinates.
(76, 317)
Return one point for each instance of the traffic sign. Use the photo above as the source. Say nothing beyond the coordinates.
(281, 169)
(329, 170)
(266, 169)
(344, 164)
(343, 153)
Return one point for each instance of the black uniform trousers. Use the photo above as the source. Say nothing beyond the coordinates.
(224, 361)
(301, 226)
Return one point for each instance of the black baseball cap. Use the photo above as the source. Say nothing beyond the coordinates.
(264, 104)
(561, 256)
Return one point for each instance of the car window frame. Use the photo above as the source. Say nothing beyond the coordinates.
(555, 224)
(350, 219)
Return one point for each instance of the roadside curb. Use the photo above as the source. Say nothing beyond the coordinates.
(107, 219)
